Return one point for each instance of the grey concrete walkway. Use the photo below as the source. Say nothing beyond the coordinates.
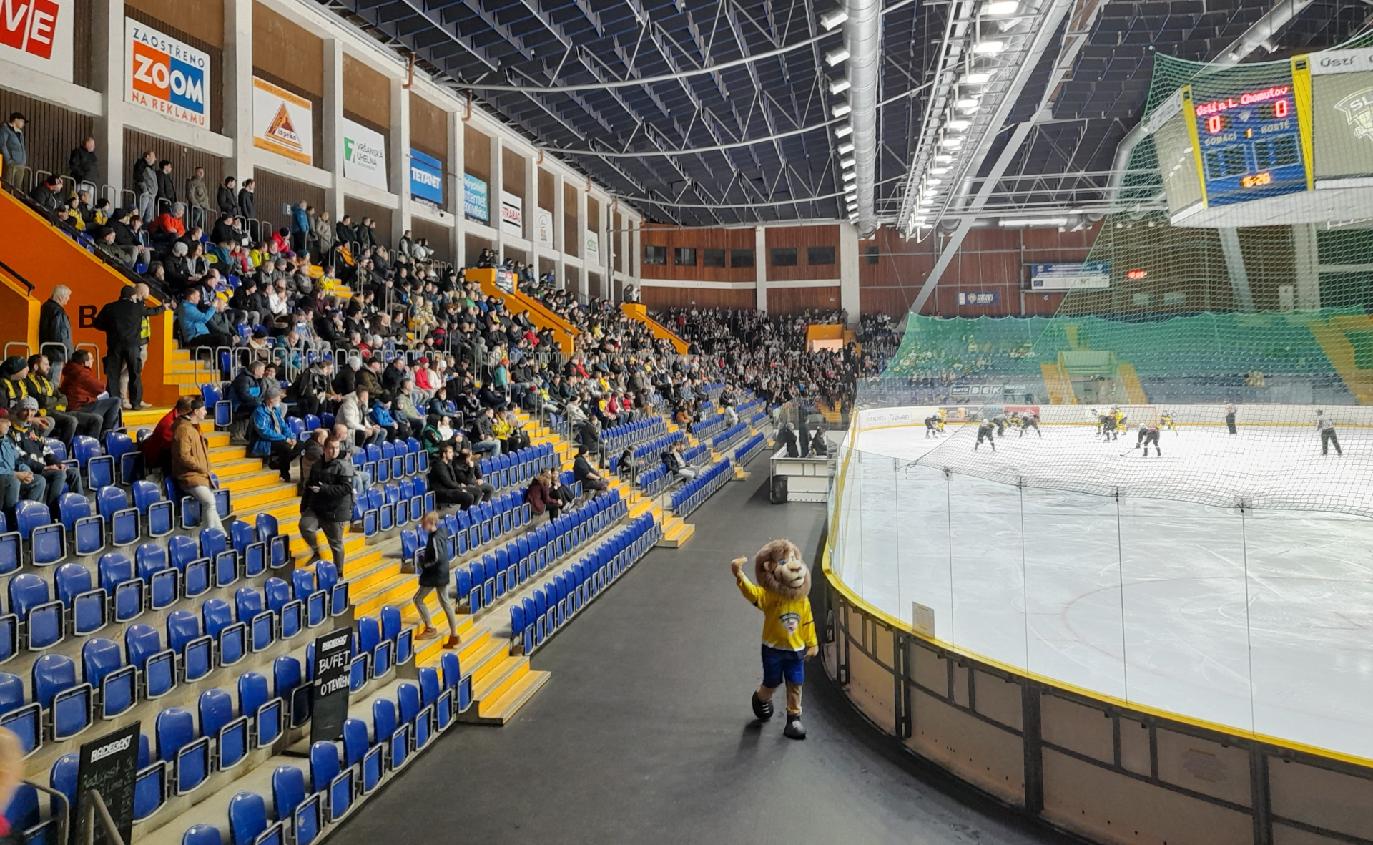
(644, 733)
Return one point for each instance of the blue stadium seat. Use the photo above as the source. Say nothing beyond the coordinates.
(156, 665)
(248, 822)
(291, 802)
(218, 722)
(361, 754)
(231, 637)
(155, 510)
(264, 710)
(249, 609)
(180, 746)
(388, 732)
(87, 528)
(115, 572)
(56, 690)
(164, 582)
(47, 541)
(194, 648)
(288, 611)
(116, 684)
(327, 778)
(200, 834)
(41, 616)
(288, 686)
(84, 602)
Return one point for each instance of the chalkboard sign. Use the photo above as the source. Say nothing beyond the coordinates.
(109, 766)
(329, 698)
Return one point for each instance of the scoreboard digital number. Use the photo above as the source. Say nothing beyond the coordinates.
(1250, 145)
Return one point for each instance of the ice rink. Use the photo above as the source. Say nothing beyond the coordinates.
(1258, 618)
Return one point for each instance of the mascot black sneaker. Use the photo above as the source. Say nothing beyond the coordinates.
(794, 728)
(761, 709)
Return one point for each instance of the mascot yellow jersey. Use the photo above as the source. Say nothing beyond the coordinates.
(787, 622)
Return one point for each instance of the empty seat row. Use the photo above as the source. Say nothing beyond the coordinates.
(485, 580)
(617, 438)
(519, 467)
(386, 506)
(727, 438)
(538, 616)
(745, 451)
(695, 492)
(656, 446)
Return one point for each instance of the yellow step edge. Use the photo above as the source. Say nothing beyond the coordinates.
(486, 659)
(499, 711)
(473, 647)
(506, 674)
(256, 500)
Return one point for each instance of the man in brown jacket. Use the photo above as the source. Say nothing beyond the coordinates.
(191, 463)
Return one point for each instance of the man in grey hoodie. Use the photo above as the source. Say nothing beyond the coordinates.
(13, 148)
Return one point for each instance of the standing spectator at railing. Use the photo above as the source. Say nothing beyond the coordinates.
(198, 198)
(86, 395)
(191, 463)
(323, 232)
(166, 184)
(344, 232)
(55, 327)
(84, 164)
(13, 148)
(300, 228)
(366, 233)
(226, 198)
(247, 202)
(145, 185)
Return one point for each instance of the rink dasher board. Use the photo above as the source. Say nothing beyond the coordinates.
(808, 479)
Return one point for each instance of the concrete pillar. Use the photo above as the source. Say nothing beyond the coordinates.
(1234, 266)
(453, 194)
(237, 79)
(760, 264)
(107, 45)
(493, 192)
(559, 230)
(398, 165)
(848, 257)
(333, 126)
(1308, 273)
(579, 226)
(531, 208)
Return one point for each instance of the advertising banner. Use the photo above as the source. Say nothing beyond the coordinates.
(364, 155)
(426, 178)
(512, 214)
(476, 201)
(283, 122)
(979, 297)
(543, 227)
(1090, 275)
(165, 75)
(593, 247)
(38, 34)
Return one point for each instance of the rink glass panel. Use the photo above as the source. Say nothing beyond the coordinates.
(1243, 618)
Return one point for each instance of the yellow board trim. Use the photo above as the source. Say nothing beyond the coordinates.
(1302, 94)
(892, 622)
(1189, 113)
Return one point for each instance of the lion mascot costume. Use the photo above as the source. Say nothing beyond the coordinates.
(782, 593)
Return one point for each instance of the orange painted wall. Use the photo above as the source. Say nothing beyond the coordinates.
(48, 258)
(15, 301)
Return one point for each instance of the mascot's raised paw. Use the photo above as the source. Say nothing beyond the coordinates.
(762, 710)
(794, 728)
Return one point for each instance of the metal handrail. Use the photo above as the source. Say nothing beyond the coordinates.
(95, 806)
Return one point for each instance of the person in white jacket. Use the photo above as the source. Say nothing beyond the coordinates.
(352, 413)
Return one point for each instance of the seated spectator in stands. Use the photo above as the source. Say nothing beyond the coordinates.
(270, 438)
(585, 473)
(589, 435)
(443, 480)
(100, 215)
(437, 431)
(381, 415)
(139, 232)
(49, 195)
(183, 267)
(29, 436)
(626, 467)
(352, 415)
(406, 409)
(18, 483)
(483, 433)
(40, 387)
(313, 389)
(245, 395)
(676, 464)
(155, 446)
(369, 377)
(195, 322)
(469, 472)
(86, 394)
(543, 494)
(170, 224)
(226, 231)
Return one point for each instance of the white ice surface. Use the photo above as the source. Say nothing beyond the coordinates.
(1261, 620)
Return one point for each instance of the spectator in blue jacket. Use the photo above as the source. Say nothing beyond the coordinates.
(17, 482)
(245, 395)
(194, 318)
(271, 438)
(300, 228)
(381, 415)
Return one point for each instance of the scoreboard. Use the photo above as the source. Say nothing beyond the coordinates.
(1248, 144)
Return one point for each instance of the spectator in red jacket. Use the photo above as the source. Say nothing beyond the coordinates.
(86, 393)
(156, 447)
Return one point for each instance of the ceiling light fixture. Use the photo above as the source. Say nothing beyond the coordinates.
(839, 86)
(1010, 222)
(846, 163)
(978, 77)
(967, 104)
(951, 143)
(849, 175)
(982, 48)
(834, 17)
(837, 55)
(843, 131)
(845, 148)
(944, 158)
(996, 8)
(958, 125)
(841, 109)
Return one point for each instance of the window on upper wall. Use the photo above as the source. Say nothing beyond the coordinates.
(819, 255)
(783, 257)
(655, 254)
(741, 258)
(684, 256)
(712, 258)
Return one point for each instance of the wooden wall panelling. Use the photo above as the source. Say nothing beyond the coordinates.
(793, 300)
(428, 129)
(440, 237)
(83, 33)
(671, 237)
(382, 215)
(656, 298)
(572, 238)
(548, 183)
(50, 132)
(801, 238)
(274, 193)
(476, 154)
(512, 172)
(291, 54)
(183, 159)
(367, 97)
